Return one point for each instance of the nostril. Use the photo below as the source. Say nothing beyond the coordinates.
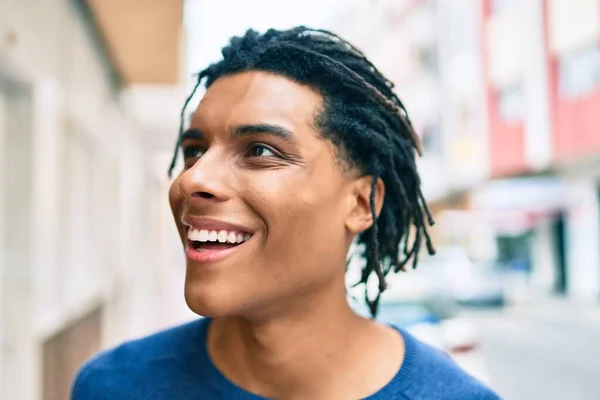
(203, 195)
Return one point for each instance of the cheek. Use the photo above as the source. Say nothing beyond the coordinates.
(290, 199)
(305, 225)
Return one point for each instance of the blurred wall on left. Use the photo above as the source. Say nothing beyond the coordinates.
(87, 247)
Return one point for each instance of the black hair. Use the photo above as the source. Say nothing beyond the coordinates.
(362, 116)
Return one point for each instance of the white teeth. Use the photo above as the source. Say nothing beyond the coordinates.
(231, 237)
(203, 237)
(222, 236)
(193, 234)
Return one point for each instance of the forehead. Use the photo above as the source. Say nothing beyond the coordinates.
(257, 96)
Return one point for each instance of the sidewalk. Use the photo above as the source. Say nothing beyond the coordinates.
(556, 308)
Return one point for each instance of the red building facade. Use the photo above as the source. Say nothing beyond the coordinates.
(570, 45)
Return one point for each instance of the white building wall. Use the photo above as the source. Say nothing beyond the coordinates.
(544, 259)
(461, 95)
(583, 236)
(3, 112)
(15, 257)
(86, 201)
(538, 140)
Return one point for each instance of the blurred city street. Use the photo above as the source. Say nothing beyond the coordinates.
(550, 350)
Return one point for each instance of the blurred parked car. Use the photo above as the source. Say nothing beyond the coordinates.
(484, 287)
(469, 283)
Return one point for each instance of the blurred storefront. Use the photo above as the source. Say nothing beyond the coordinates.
(574, 71)
(85, 257)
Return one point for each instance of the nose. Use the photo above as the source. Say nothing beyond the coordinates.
(208, 180)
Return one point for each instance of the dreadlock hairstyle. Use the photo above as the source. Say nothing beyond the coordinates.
(362, 116)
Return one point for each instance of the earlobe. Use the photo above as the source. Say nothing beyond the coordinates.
(360, 217)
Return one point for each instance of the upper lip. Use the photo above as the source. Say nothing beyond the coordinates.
(212, 224)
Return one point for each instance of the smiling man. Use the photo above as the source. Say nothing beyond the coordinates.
(298, 148)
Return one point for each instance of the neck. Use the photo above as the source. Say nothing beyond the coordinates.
(291, 353)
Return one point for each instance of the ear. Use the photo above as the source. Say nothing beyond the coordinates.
(360, 217)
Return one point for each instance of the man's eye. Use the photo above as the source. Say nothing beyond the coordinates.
(259, 150)
(192, 152)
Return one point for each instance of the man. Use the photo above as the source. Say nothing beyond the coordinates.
(298, 148)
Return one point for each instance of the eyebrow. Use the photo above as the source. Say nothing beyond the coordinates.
(269, 129)
(246, 130)
(191, 134)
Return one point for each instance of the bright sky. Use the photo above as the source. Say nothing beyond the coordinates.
(210, 24)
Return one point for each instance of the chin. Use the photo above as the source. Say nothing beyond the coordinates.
(217, 299)
(208, 302)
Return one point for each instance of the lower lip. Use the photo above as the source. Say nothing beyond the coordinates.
(209, 256)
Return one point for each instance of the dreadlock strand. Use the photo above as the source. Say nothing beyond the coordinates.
(374, 243)
(182, 121)
(377, 95)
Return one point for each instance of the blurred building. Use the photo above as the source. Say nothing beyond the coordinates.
(505, 95)
(89, 93)
(542, 65)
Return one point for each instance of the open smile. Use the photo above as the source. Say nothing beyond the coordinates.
(207, 244)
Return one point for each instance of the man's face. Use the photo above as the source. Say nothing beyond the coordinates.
(262, 201)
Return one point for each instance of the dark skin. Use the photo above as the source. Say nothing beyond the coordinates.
(282, 326)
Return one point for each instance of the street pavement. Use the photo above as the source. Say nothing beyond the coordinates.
(548, 351)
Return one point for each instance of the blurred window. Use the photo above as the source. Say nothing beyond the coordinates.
(579, 72)
(500, 6)
(515, 251)
(428, 59)
(511, 103)
(432, 139)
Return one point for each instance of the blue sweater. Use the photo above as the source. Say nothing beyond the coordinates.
(175, 365)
